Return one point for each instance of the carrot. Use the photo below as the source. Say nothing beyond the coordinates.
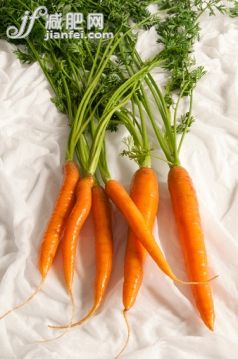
(61, 211)
(54, 228)
(186, 211)
(104, 245)
(73, 227)
(104, 249)
(136, 221)
(145, 194)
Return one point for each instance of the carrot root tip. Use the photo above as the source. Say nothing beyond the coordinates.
(66, 327)
(128, 334)
(18, 306)
(196, 282)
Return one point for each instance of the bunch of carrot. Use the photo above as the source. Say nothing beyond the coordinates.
(93, 104)
(183, 196)
(79, 194)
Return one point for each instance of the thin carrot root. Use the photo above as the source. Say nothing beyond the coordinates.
(128, 334)
(80, 322)
(66, 327)
(50, 339)
(18, 306)
(177, 280)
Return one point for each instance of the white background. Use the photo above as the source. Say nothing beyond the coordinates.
(164, 321)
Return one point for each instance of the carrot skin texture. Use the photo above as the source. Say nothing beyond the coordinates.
(187, 217)
(56, 223)
(145, 194)
(104, 242)
(74, 225)
(136, 221)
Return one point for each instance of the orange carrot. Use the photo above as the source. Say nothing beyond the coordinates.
(136, 221)
(54, 228)
(104, 243)
(186, 211)
(104, 247)
(73, 227)
(145, 194)
(55, 225)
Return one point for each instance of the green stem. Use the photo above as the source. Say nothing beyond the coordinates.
(86, 98)
(68, 99)
(186, 128)
(94, 60)
(157, 131)
(103, 166)
(146, 144)
(125, 119)
(176, 151)
(82, 150)
(99, 138)
(54, 88)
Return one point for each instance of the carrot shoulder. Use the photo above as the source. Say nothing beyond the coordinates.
(56, 223)
(186, 211)
(145, 194)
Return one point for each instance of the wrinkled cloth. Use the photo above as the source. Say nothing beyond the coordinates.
(164, 321)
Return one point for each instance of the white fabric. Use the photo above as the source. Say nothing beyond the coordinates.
(164, 321)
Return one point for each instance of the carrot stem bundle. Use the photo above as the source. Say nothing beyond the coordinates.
(186, 211)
